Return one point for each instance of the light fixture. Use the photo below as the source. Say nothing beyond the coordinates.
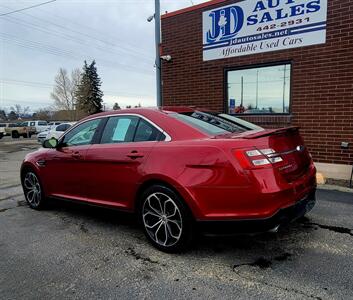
(150, 18)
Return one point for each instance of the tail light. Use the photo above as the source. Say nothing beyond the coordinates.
(257, 158)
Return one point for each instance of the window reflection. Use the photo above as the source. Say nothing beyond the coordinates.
(264, 90)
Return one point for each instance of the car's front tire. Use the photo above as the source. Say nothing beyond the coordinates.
(166, 220)
(33, 190)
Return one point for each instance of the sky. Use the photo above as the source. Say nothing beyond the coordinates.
(35, 43)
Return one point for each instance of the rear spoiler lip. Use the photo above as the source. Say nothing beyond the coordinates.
(268, 132)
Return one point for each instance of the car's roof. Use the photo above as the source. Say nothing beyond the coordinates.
(161, 117)
(144, 110)
(151, 110)
(65, 123)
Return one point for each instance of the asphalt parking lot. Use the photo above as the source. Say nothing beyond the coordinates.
(79, 252)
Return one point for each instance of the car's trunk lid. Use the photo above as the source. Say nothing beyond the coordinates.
(286, 143)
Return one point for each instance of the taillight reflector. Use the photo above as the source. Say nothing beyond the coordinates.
(257, 158)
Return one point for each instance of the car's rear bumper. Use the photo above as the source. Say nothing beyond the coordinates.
(282, 217)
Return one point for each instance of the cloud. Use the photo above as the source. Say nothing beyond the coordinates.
(35, 43)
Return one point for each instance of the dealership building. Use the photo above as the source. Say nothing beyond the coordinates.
(275, 63)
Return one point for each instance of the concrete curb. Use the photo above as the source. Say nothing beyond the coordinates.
(331, 187)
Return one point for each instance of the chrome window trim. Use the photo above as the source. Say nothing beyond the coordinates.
(167, 136)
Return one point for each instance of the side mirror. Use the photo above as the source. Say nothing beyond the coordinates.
(51, 143)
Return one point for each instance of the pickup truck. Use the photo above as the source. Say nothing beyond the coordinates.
(39, 125)
(2, 129)
(20, 129)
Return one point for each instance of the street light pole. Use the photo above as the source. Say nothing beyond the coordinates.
(157, 23)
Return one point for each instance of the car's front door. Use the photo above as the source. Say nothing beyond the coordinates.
(118, 161)
(65, 167)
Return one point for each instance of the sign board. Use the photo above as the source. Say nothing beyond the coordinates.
(250, 27)
(232, 106)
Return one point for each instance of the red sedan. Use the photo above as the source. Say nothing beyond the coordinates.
(178, 169)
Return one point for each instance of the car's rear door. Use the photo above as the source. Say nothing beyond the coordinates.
(65, 167)
(118, 161)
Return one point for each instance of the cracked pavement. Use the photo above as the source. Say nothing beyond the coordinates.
(78, 252)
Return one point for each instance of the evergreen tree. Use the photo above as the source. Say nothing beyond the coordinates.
(3, 115)
(89, 96)
(116, 106)
(12, 116)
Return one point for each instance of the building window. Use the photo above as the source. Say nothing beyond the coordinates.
(263, 90)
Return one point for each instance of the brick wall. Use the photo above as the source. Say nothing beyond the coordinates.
(322, 79)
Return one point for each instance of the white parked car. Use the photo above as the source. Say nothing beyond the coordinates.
(39, 125)
(55, 131)
(53, 124)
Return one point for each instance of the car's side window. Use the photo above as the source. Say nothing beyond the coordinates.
(147, 132)
(67, 126)
(61, 127)
(82, 134)
(119, 129)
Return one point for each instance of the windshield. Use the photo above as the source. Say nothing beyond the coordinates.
(214, 123)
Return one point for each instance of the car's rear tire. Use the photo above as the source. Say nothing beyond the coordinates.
(1, 135)
(166, 220)
(33, 190)
(25, 135)
(15, 135)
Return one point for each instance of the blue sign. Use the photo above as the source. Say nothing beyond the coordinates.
(251, 27)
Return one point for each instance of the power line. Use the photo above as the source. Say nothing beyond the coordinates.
(107, 43)
(27, 101)
(65, 53)
(127, 46)
(25, 8)
(46, 85)
(26, 83)
(69, 37)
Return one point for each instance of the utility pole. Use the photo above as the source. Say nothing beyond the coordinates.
(284, 88)
(157, 23)
(257, 89)
(242, 92)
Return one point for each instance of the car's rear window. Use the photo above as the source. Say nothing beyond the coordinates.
(212, 123)
(2, 125)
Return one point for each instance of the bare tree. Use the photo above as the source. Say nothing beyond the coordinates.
(45, 113)
(19, 110)
(64, 93)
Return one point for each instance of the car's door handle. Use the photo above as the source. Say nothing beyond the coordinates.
(135, 154)
(76, 155)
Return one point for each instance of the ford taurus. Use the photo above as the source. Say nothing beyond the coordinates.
(178, 169)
